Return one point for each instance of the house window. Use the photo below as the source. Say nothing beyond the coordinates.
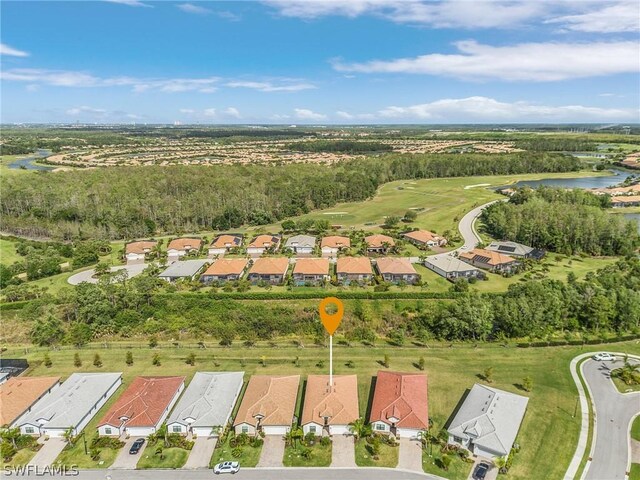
(312, 428)
(107, 431)
(177, 429)
(380, 426)
(457, 439)
(245, 429)
(29, 430)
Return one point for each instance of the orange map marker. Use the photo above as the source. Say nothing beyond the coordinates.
(331, 322)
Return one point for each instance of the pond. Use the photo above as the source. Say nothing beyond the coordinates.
(616, 177)
(28, 163)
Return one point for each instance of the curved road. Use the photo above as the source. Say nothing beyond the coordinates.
(87, 275)
(467, 227)
(613, 412)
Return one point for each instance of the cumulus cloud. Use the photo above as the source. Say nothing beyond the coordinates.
(10, 51)
(540, 62)
(191, 8)
(306, 114)
(612, 17)
(97, 112)
(131, 3)
(232, 112)
(357, 116)
(483, 109)
(187, 110)
(270, 86)
(209, 112)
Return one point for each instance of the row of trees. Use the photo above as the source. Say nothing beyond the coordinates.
(133, 202)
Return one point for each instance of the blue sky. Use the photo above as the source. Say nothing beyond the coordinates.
(318, 62)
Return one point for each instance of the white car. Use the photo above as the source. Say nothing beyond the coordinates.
(604, 357)
(226, 467)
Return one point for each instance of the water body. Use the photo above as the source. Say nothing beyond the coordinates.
(28, 163)
(583, 182)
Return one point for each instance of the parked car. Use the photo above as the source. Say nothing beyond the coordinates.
(481, 471)
(226, 467)
(137, 445)
(604, 357)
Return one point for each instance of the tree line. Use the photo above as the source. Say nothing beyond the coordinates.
(562, 221)
(133, 202)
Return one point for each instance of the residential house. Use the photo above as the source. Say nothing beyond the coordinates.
(379, 244)
(492, 261)
(330, 408)
(311, 271)
(354, 269)
(183, 270)
(397, 270)
(179, 247)
(70, 406)
(331, 245)
(225, 242)
(263, 243)
(425, 238)
(19, 394)
(225, 270)
(269, 269)
(488, 421)
(137, 252)
(301, 244)
(142, 407)
(206, 405)
(514, 249)
(399, 404)
(448, 266)
(268, 405)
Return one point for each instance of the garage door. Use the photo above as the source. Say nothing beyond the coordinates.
(339, 430)
(202, 431)
(275, 430)
(407, 433)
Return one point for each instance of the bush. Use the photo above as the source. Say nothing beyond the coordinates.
(325, 441)
(236, 452)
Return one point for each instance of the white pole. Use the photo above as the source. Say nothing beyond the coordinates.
(330, 362)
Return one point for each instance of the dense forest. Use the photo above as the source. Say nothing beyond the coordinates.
(130, 202)
(563, 221)
(607, 300)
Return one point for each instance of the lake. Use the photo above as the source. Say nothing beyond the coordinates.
(583, 182)
(28, 163)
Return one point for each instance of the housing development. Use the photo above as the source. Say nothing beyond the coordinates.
(320, 239)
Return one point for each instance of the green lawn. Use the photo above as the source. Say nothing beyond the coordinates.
(249, 457)
(634, 474)
(320, 456)
(451, 371)
(22, 457)
(635, 428)
(8, 254)
(171, 457)
(458, 470)
(388, 455)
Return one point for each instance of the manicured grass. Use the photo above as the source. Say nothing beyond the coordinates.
(22, 457)
(635, 428)
(8, 254)
(587, 450)
(451, 371)
(249, 457)
(320, 456)
(173, 457)
(634, 473)
(388, 455)
(458, 470)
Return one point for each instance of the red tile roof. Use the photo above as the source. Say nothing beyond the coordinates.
(339, 403)
(378, 241)
(270, 266)
(335, 241)
(227, 241)
(312, 266)
(264, 241)
(143, 402)
(140, 247)
(227, 266)
(18, 394)
(354, 266)
(487, 256)
(395, 266)
(423, 236)
(403, 396)
(183, 243)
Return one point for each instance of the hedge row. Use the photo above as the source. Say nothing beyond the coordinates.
(593, 341)
(319, 295)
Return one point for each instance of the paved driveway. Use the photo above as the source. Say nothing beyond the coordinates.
(343, 452)
(492, 474)
(201, 452)
(87, 275)
(410, 455)
(613, 412)
(272, 451)
(124, 458)
(49, 452)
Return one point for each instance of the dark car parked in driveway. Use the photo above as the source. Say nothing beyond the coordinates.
(481, 471)
(137, 445)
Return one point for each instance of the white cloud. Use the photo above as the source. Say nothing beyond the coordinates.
(187, 111)
(209, 112)
(232, 112)
(97, 112)
(622, 16)
(191, 8)
(306, 114)
(355, 116)
(13, 52)
(270, 87)
(484, 109)
(523, 62)
(131, 3)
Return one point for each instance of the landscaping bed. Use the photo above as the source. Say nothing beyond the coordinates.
(238, 448)
(311, 451)
(374, 451)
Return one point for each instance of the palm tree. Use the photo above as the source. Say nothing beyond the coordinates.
(296, 434)
(500, 462)
(360, 429)
(10, 435)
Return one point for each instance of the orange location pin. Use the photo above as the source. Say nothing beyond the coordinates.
(331, 321)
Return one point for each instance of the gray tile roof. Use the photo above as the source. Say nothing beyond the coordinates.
(510, 248)
(301, 241)
(449, 263)
(208, 400)
(491, 417)
(183, 268)
(68, 404)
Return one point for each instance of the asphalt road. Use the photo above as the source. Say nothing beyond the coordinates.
(248, 474)
(467, 228)
(614, 411)
(87, 275)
